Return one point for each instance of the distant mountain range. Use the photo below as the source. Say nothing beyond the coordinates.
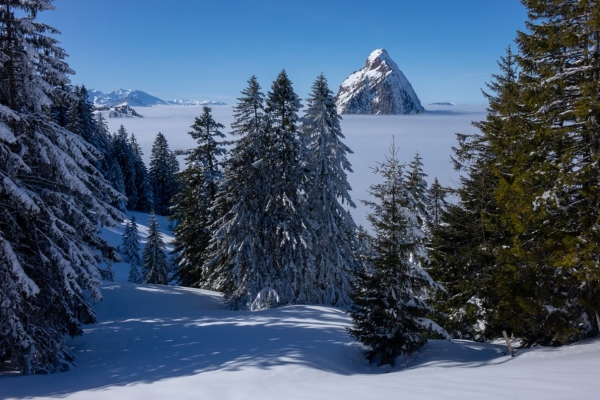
(137, 98)
(442, 103)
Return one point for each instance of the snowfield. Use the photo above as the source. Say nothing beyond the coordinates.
(166, 342)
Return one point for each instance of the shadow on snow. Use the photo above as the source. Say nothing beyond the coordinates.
(143, 338)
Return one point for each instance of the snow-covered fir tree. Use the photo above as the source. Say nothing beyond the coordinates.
(145, 195)
(114, 173)
(436, 198)
(237, 252)
(131, 250)
(193, 206)
(282, 269)
(128, 155)
(389, 312)
(72, 109)
(418, 189)
(124, 157)
(288, 241)
(52, 198)
(327, 194)
(163, 174)
(155, 267)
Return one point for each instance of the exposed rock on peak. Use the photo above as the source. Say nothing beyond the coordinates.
(379, 88)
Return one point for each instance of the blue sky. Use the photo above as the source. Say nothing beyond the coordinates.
(197, 49)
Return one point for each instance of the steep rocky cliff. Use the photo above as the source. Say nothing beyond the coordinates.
(379, 88)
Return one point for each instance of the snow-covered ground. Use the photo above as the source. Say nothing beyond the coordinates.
(431, 133)
(165, 342)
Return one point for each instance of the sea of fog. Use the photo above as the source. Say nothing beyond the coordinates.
(432, 134)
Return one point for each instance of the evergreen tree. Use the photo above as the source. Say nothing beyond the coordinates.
(131, 250)
(463, 245)
(114, 174)
(72, 109)
(436, 199)
(128, 155)
(418, 189)
(51, 199)
(559, 57)
(163, 174)
(272, 264)
(124, 157)
(62, 97)
(495, 252)
(145, 195)
(523, 284)
(327, 192)
(288, 241)
(155, 268)
(237, 253)
(388, 312)
(193, 205)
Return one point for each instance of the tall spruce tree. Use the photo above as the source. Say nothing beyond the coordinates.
(51, 199)
(289, 266)
(155, 267)
(463, 245)
(524, 284)
(114, 174)
(469, 256)
(145, 195)
(72, 109)
(193, 205)
(497, 252)
(418, 189)
(560, 61)
(269, 214)
(237, 252)
(124, 157)
(163, 174)
(389, 313)
(436, 199)
(328, 191)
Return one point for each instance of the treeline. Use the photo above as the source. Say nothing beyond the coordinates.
(519, 250)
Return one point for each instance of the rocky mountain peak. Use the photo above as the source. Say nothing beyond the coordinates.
(379, 88)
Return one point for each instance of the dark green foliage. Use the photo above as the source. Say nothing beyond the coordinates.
(560, 60)
(520, 249)
(193, 206)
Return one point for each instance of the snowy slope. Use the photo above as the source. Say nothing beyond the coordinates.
(378, 88)
(159, 342)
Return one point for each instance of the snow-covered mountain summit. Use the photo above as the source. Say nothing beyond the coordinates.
(379, 88)
(132, 98)
(138, 98)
